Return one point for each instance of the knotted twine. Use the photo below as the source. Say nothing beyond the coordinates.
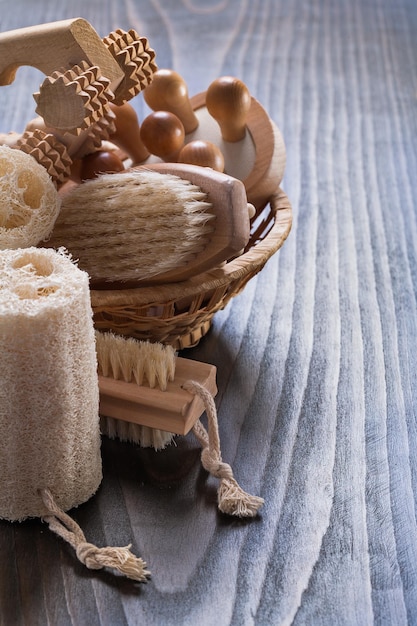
(120, 559)
(231, 498)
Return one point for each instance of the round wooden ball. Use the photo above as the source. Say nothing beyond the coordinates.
(163, 134)
(203, 153)
(100, 162)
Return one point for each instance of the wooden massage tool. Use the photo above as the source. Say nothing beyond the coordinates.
(224, 128)
(74, 102)
(84, 74)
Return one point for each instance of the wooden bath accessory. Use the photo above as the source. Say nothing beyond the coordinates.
(226, 116)
(151, 225)
(142, 390)
(185, 389)
(84, 74)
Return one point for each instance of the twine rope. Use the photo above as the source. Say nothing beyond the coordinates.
(232, 499)
(120, 559)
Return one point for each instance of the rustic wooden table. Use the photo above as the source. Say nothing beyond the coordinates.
(316, 360)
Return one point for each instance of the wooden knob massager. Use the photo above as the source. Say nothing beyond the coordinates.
(230, 118)
(163, 135)
(228, 101)
(203, 153)
(168, 92)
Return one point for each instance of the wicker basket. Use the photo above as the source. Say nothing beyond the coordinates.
(180, 314)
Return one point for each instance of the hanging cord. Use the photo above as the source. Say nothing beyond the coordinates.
(120, 559)
(231, 497)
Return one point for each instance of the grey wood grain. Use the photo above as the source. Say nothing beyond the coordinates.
(316, 358)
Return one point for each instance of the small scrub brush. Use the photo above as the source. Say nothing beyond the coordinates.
(184, 390)
(142, 398)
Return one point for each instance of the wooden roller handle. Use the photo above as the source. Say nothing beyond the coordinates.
(54, 46)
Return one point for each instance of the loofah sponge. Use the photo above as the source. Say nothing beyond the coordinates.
(29, 201)
(133, 225)
(49, 398)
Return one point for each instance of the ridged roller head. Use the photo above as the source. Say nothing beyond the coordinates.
(74, 99)
(48, 152)
(135, 58)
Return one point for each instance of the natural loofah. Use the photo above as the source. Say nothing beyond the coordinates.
(49, 400)
(133, 225)
(49, 423)
(29, 201)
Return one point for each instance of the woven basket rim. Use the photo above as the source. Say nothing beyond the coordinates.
(248, 262)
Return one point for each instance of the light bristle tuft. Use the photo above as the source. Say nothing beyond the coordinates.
(144, 436)
(131, 360)
(163, 222)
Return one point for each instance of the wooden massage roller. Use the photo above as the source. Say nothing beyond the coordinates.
(84, 74)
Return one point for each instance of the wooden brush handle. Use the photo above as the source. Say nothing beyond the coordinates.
(168, 92)
(174, 410)
(229, 205)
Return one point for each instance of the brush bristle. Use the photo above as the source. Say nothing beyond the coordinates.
(134, 225)
(144, 436)
(125, 358)
(140, 362)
